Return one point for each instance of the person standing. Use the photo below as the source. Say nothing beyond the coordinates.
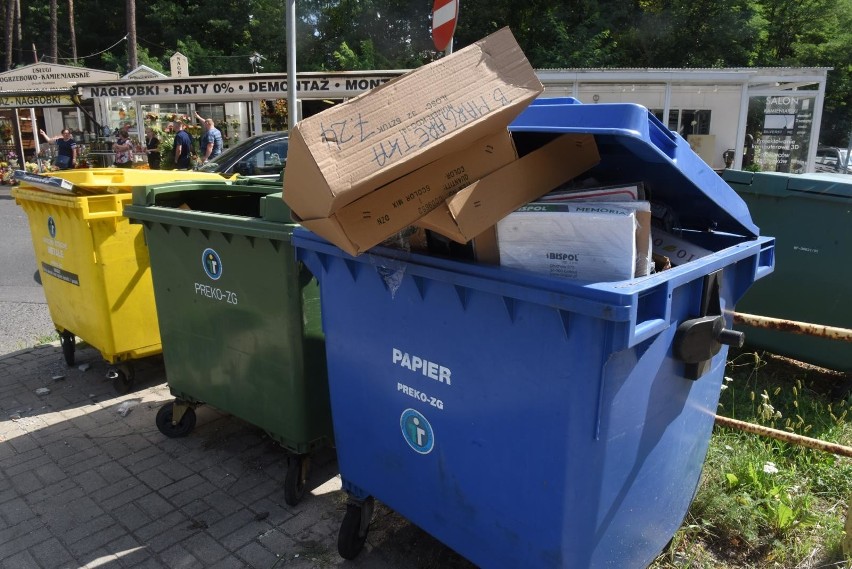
(183, 146)
(66, 149)
(123, 148)
(152, 149)
(211, 140)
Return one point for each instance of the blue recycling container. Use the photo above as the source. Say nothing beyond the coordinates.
(527, 421)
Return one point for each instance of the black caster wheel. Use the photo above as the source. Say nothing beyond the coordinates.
(354, 528)
(68, 343)
(122, 377)
(298, 466)
(173, 429)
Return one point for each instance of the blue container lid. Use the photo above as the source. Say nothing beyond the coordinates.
(635, 145)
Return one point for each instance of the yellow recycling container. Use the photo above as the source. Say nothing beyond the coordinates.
(96, 276)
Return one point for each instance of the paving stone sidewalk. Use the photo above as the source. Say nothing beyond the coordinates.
(83, 485)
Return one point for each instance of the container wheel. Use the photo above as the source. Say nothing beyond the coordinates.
(68, 343)
(354, 528)
(298, 466)
(171, 429)
(122, 377)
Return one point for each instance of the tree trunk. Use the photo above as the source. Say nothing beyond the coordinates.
(72, 30)
(54, 26)
(19, 36)
(132, 60)
(9, 36)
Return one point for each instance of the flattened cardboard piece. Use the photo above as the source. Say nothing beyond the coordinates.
(482, 204)
(380, 214)
(485, 248)
(348, 150)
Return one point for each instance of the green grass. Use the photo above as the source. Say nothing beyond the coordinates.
(46, 339)
(763, 502)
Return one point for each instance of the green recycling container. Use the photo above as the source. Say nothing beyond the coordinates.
(240, 319)
(810, 216)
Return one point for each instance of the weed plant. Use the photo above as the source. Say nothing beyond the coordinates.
(764, 502)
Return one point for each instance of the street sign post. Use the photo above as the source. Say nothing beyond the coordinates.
(445, 13)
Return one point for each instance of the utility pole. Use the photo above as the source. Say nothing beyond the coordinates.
(292, 95)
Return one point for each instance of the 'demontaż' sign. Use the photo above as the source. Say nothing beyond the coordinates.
(309, 85)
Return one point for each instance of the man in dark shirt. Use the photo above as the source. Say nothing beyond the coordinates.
(66, 155)
(183, 147)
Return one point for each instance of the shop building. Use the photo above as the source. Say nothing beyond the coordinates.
(732, 117)
(43, 96)
(240, 105)
(768, 117)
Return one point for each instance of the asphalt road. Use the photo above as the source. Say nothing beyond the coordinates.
(24, 317)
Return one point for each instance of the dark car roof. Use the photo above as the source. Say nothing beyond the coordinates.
(225, 161)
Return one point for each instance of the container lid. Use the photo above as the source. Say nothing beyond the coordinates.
(635, 146)
(825, 185)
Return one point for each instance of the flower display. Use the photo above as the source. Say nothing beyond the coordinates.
(275, 112)
(7, 168)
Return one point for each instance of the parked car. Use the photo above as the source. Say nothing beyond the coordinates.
(831, 159)
(260, 156)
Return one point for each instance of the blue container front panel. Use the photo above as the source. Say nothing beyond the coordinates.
(509, 429)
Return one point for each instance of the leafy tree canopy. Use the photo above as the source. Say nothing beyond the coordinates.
(220, 36)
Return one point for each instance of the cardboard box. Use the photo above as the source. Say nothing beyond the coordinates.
(590, 241)
(473, 210)
(349, 150)
(628, 195)
(368, 221)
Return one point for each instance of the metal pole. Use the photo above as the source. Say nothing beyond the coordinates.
(791, 438)
(817, 330)
(292, 96)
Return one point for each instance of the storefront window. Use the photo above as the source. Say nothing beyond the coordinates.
(780, 127)
(686, 121)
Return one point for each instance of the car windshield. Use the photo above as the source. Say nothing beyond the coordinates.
(230, 155)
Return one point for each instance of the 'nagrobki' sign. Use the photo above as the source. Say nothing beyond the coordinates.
(232, 87)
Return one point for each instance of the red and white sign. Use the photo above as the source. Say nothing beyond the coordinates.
(445, 13)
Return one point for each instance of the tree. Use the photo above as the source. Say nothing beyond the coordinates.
(72, 31)
(219, 36)
(9, 9)
(132, 59)
(54, 38)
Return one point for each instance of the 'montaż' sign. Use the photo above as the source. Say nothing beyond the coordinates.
(444, 16)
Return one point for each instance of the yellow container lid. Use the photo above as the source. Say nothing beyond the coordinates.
(100, 180)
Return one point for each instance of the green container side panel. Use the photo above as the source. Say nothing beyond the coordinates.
(245, 337)
(811, 219)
